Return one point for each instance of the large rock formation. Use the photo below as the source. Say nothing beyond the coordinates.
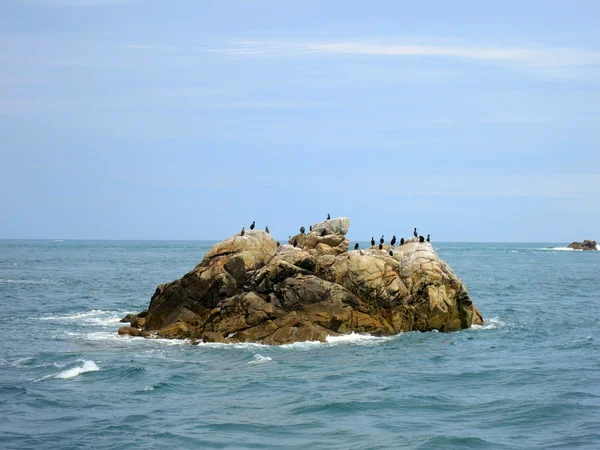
(585, 245)
(247, 289)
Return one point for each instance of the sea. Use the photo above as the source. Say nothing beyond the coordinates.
(529, 378)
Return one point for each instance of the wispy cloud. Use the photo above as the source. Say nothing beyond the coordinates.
(537, 58)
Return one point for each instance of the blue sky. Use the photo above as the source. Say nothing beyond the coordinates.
(154, 119)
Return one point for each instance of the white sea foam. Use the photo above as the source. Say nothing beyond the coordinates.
(560, 249)
(134, 340)
(356, 338)
(88, 366)
(493, 323)
(21, 361)
(57, 240)
(73, 316)
(259, 359)
(94, 317)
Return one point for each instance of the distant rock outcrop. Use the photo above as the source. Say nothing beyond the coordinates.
(247, 289)
(585, 245)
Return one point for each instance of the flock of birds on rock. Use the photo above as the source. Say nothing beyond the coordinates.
(356, 246)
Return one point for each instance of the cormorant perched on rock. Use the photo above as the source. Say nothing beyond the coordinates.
(393, 241)
(356, 246)
(380, 246)
(372, 241)
(381, 240)
(323, 233)
(310, 228)
(428, 238)
(252, 226)
(415, 233)
(278, 243)
(401, 241)
(391, 253)
(295, 242)
(421, 239)
(328, 217)
(243, 231)
(302, 230)
(267, 229)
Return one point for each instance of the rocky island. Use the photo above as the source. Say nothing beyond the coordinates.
(248, 288)
(585, 245)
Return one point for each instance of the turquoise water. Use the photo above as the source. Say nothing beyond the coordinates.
(529, 378)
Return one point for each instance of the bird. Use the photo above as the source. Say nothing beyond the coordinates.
(278, 243)
(393, 241)
(356, 246)
(310, 228)
(381, 240)
(243, 231)
(295, 242)
(323, 233)
(380, 246)
(372, 241)
(401, 241)
(428, 238)
(267, 229)
(302, 230)
(391, 253)
(421, 239)
(328, 217)
(252, 226)
(415, 233)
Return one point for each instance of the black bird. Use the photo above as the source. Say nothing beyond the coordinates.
(401, 241)
(372, 241)
(278, 243)
(415, 233)
(302, 230)
(380, 246)
(252, 226)
(295, 242)
(381, 240)
(428, 238)
(310, 228)
(391, 253)
(393, 241)
(323, 233)
(267, 229)
(421, 239)
(356, 246)
(243, 231)
(328, 217)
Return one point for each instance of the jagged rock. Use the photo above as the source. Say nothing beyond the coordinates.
(585, 245)
(246, 289)
(130, 331)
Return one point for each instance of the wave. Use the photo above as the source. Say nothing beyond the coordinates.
(330, 341)
(259, 359)
(88, 366)
(58, 240)
(493, 323)
(41, 281)
(94, 317)
(113, 336)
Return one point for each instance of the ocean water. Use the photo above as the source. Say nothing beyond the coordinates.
(529, 378)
